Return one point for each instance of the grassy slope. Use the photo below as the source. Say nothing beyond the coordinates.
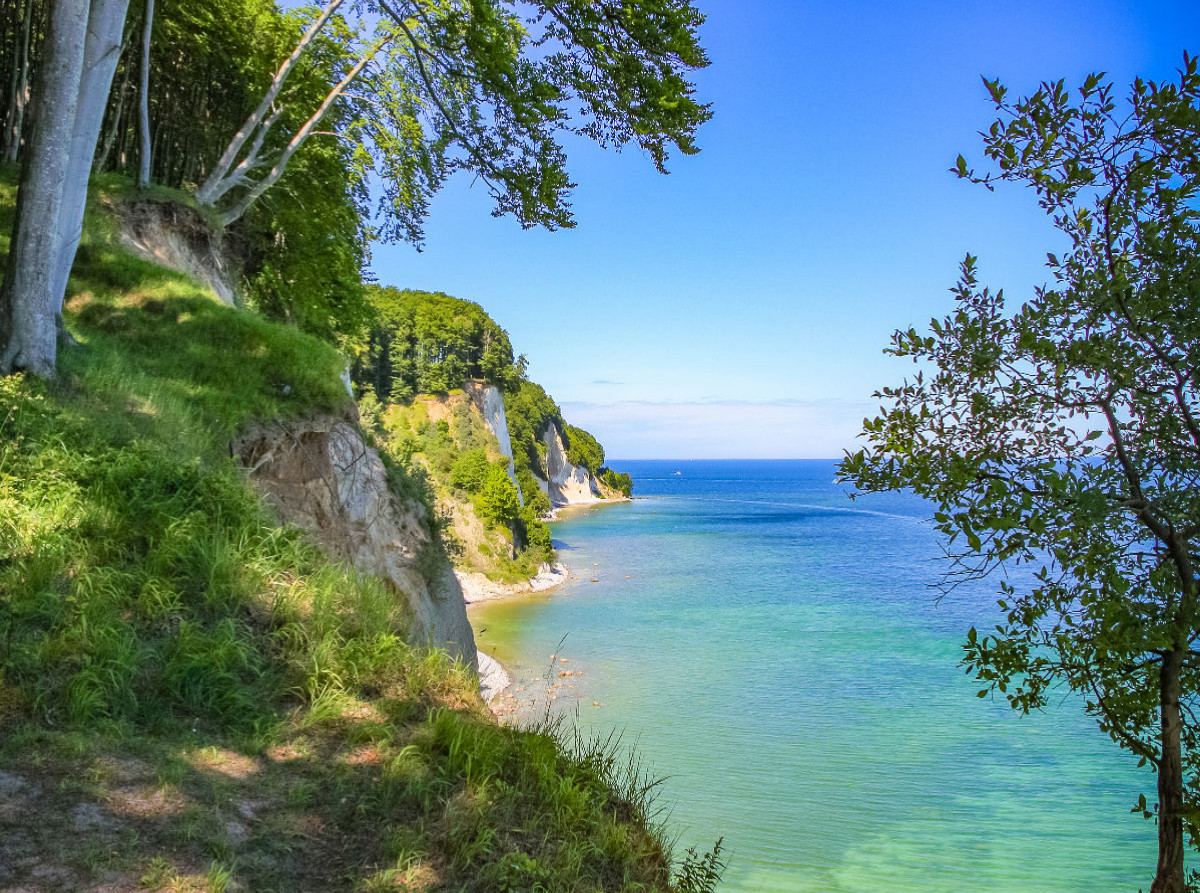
(194, 699)
(412, 438)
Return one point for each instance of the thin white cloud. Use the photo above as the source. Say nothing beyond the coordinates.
(729, 429)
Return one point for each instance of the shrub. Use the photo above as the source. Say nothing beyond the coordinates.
(498, 500)
(470, 471)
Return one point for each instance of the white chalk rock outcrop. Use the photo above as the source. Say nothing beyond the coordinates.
(320, 476)
(493, 678)
(566, 484)
(490, 403)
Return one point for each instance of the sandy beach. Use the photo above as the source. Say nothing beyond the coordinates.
(477, 587)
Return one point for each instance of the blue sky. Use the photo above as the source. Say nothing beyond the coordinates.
(738, 307)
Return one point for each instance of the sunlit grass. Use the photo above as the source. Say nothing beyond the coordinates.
(236, 711)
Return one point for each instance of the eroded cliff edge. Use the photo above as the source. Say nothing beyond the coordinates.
(319, 475)
(566, 484)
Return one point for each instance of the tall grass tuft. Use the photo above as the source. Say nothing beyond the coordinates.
(149, 601)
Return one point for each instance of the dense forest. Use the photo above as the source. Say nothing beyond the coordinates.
(303, 246)
(431, 343)
(427, 343)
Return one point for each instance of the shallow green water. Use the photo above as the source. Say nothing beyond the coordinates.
(776, 650)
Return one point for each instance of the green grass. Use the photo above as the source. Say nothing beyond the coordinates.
(236, 711)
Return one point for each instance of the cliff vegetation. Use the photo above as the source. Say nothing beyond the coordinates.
(194, 696)
(423, 378)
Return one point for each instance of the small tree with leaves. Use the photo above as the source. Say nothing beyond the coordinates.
(498, 497)
(1064, 433)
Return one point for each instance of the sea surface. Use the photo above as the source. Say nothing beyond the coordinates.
(777, 651)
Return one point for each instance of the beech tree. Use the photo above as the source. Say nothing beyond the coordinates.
(1064, 433)
(74, 80)
(143, 179)
(18, 33)
(486, 87)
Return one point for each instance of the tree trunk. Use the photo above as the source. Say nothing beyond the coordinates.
(115, 122)
(20, 93)
(10, 111)
(144, 100)
(28, 335)
(234, 213)
(218, 183)
(102, 50)
(1169, 877)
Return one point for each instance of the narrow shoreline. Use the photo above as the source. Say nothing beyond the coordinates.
(494, 678)
(476, 586)
(571, 507)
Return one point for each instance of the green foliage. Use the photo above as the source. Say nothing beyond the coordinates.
(583, 449)
(207, 61)
(1061, 434)
(536, 534)
(144, 583)
(700, 873)
(617, 480)
(304, 248)
(145, 328)
(431, 343)
(470, 470)
(535, 500)
(499, 84)
(498, 499)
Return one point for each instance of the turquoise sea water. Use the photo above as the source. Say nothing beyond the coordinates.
(777, 651)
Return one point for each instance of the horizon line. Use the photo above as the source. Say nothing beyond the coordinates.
(730, 459)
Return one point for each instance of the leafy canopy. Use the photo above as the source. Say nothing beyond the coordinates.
(429, 343)
(1063, 432)
(490, 87)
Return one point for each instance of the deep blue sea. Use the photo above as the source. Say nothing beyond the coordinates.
(778, 651)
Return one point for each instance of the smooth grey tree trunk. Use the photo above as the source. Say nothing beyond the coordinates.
(28, 336)
(144, 99)
(102, 51)
(115, 121)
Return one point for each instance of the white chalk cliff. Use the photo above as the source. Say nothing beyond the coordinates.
(566, 484)
(490, 403)
(320, 476)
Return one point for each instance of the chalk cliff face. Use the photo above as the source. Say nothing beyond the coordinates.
(566, 484)
(320, 476)
(490, 402)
